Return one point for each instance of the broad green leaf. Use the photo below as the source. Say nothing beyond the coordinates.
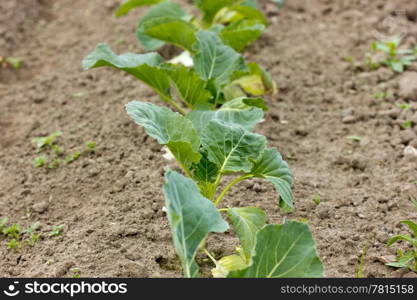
(228, 264)
(256, 81)
(191, 217)
(283, 251)
(205, 173)
(168, 128)
(247, 221)
(215, 61)
(245, 103)
(191, 88)
(184, 153)
(145, 67)
(250, 13)
(128, 5)
(242, 33)
(247, 118)
(210, 8)
(163, 9)
(411, 225)
(273, 168)
(205, 170)
(172, 30)
(231, 147)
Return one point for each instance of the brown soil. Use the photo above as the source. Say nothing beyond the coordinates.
(111, 202)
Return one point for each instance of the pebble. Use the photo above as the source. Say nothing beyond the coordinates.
(408, 86)
(349, 120)
(40, 207)
(407, 136)
(393, 113)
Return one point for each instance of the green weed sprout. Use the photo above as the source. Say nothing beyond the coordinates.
(406, 259)
(395, 58)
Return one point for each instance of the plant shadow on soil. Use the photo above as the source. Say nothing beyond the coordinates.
(111, 202)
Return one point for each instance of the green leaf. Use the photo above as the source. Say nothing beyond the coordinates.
(191, 217)
(191, 88)
(411, 225)
(256, 81)
(242, 103)
(228, 264)
(184, 153)
(247, 221)
(205, 171)
(286, 250)
(247, 118)
(168, 128)
(214, 60)
(210, 8)
(230, 146)
(242, 33)
(145, 67)
(402, 261)
(128, 5)
(163, 9)
(250, 13)
(402, 237)
(172, 30)
(273, 168)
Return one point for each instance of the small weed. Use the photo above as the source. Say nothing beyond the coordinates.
(73, 157)
(76, 272)
(55, 164)
(55, 151)
(15, 62)
(403, 106)
(360, 263)
(91, 145)
(78, 94)
(48, 141)
(14, 245)
(33, 238)
(354, 138)
(40, 161)
(317, 200)
(395, 58)
(406, 125)
(406, 259)
(12, 231)
(57, 230)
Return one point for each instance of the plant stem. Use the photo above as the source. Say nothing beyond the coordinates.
(210, 256)
(229, 186)
(172, 102)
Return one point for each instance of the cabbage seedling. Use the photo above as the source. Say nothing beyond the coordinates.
(219, 74)
(238, 22)
(211, 146)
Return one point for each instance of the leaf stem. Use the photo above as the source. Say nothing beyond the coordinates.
(229, 186)
(173, 103)
(210, 256)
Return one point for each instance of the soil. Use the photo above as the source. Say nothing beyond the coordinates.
(110, 200)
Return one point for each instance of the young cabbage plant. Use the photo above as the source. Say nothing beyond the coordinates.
(238, 22)
(219, 74)
(211, 147)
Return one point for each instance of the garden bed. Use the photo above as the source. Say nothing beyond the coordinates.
(110, 201)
